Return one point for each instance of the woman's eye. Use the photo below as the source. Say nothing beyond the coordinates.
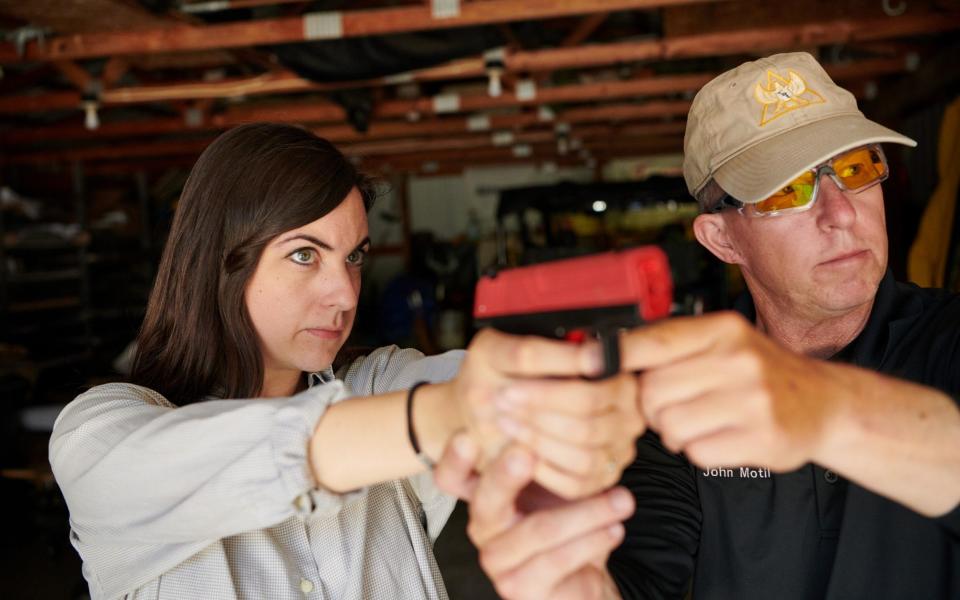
(303, 256)
(357, 257)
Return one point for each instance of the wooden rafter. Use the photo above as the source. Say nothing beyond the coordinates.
(115, 68)
(381, 127)
(584, 29)
(75, 74)
(442, 143)
(207, 6)
(480, 146)
(597, 118)
(538, 61)
(583, 92)
(379, 130)
(539, 152)
(358, 23)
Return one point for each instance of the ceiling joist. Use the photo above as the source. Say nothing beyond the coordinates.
(550, 59)
(589, 83)
(313, 26)
(379, 130)
(382, 126)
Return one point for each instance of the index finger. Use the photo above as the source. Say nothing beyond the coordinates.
(535, 356)
(494, 507)
(671, 340)
(454, 472)
(565, 523)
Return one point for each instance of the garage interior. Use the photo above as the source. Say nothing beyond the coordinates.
(502, 133)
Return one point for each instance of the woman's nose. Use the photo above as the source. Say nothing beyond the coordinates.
(341, 288)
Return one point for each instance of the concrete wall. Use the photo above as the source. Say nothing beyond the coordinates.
(443, 204)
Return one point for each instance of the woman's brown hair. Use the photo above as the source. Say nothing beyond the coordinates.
(250, 185)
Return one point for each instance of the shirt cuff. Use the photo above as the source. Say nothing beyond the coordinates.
(294, 425)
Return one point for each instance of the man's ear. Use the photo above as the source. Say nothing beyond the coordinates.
(712, 232)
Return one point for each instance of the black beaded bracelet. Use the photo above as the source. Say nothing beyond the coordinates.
(414, 443)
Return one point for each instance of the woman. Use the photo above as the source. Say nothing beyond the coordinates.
(238, 464)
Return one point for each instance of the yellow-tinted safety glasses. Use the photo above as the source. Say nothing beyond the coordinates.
(852, 171)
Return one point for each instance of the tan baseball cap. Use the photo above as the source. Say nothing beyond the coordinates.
(755, 128)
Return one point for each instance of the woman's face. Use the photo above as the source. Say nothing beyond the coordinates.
(302, 297)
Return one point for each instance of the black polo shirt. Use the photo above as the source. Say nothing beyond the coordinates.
(747, 533)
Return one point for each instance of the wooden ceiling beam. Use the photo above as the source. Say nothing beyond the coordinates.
(329, 113)
(591, 92)
(537, 61)
(741, 41)
(436, 163)
(75, 74)
(443, 144)
(441, 166)
(627, 112)
(115, 68)
(204, 6)
(537, 152)
(475, 156)
(448, 168)
(75, 130)
(113, 152)
(840, 31)
(584, 29)
(605, 134)
(379, 130)
(585, 92)
(119, 167)
(508, 139)
(279, 81)
(47, 102)
(312, 26)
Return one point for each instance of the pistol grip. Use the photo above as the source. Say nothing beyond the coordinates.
(610, 344)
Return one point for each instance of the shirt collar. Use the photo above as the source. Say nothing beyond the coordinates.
(320, 377)
(891, 306)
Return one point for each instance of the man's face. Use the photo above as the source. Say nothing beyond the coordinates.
(819, 263)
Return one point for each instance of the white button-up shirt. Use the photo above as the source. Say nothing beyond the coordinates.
(216, 500)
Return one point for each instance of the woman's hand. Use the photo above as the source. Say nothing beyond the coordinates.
(533, 544)
(531, 389)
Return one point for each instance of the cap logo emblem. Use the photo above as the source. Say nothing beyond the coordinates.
(781, 95)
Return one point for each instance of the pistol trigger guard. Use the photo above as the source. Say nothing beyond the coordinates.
(610, 345)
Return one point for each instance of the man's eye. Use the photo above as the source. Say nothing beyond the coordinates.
(851, 170)
(303, 256)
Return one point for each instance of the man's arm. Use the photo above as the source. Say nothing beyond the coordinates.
(727, 395)
(895, 438)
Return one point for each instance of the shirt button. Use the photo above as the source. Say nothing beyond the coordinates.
(306, 586)
(830, 476)
(303, 503)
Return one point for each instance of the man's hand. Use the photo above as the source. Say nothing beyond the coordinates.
(533, 544)
(726, 395)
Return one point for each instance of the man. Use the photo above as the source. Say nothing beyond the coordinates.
(821, 421)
